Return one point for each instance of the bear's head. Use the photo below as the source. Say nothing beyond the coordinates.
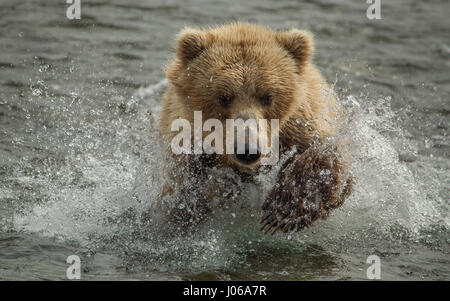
(240, 71)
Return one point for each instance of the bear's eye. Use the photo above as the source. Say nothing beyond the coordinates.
(225, 101)
(266, 99)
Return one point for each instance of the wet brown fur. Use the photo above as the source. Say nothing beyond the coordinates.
(244, 62)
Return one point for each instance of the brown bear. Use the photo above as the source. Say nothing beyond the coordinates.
(242, 70)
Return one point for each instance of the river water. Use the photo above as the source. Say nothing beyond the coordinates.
(79, 167)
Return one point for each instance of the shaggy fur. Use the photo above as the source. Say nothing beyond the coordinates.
(229, 71)
(311, 184)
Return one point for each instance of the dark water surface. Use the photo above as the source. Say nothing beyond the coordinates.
(77, 106)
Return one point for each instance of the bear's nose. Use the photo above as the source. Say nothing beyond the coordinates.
(248, 156)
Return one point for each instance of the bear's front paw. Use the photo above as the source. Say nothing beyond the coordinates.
(309, 186)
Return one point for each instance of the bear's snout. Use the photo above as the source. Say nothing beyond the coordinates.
(248, 156)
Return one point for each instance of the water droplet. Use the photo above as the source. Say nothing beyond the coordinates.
(36, 92)
(43, 68)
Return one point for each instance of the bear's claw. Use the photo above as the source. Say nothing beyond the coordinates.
(311, 185)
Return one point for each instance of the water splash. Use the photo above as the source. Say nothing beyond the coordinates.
(109, 206)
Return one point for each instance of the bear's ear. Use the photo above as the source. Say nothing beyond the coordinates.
(190, 43)
(299, 43)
